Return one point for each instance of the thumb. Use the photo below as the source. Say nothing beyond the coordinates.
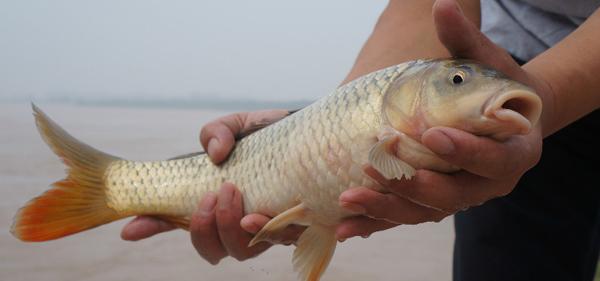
(464, 39)
(218, 137)
(481, 155)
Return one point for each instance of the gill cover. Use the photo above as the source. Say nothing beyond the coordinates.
(401, 107)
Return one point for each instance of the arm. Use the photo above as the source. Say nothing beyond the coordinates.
(405, 31)
(572, 70)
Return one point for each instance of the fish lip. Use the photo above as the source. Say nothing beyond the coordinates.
(520, 119)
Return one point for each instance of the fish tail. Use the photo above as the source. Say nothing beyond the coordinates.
(75, 203)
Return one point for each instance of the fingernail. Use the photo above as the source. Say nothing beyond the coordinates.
(354, 208)
(207, 204)
(225, 198)
(440, 143)
(213, 144)
(365, 236)
(341, 240)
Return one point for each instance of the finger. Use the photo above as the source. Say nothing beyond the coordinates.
(417, 191)
(360, 226)
(253, 223)
(480, 155)
(464, 39)
(389, 207)
(143, 227)
(203, 231)
(375, 175)
(218, 137)
(229, 213)
(449, 192)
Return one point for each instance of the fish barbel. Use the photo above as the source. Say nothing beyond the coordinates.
(295, 169)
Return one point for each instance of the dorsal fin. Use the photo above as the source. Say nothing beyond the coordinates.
(252, 129)
(188, 155)
(257, 126)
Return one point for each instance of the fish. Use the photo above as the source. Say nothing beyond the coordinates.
(294, 169)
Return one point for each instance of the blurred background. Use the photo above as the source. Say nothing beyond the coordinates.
(138, 79)
(127, 51)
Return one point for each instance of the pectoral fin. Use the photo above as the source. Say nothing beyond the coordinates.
(295, 215)
(314, 251)
(382, 157)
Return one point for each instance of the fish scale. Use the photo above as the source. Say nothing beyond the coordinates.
(304, 137)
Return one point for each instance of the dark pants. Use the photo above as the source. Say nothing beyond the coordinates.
(548, 228)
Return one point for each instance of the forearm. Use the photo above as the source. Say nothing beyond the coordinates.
(405, 31)
(572, 71)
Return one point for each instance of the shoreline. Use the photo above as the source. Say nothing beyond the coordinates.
(191, 103)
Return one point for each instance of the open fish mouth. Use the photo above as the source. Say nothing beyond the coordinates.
(518, 109)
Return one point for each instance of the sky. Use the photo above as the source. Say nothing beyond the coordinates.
(264, 50)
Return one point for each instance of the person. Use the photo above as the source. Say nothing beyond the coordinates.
(536, 224)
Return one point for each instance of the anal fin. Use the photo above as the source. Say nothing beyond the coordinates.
(314, 250)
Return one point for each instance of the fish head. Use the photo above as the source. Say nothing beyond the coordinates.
(462, 94)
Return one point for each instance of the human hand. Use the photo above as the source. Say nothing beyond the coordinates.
(218, 137)
(217, 228)
(489, 168)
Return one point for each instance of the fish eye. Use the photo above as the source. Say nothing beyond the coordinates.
(458, 78)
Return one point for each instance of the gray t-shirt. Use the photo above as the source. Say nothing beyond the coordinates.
(528, 27)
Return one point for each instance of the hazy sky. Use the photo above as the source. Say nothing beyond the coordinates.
(255, 49)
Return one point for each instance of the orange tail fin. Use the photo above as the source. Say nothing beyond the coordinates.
(74, 204)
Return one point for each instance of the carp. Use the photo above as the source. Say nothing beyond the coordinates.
(295, 169)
